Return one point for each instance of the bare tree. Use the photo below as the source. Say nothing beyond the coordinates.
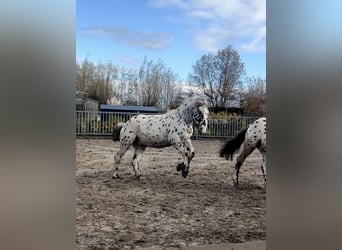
(120, 85)
(114, 101)
(152, 85)
(85, 75)
(204, 75)
(158, 84)
(219, 75)
(169, 88)
(102, 87)
(125, 86)
(132, 95)
(149, 88)
(253, 99)
(230, 71)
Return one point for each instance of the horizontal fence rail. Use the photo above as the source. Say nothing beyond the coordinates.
(98, 123)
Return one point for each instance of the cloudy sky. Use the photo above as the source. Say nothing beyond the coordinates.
(178, 32)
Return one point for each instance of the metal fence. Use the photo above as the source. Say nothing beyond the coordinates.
(98, 123)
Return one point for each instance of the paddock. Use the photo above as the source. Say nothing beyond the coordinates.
(163, 209)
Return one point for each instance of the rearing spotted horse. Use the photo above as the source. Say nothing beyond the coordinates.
(254, 136)
(172, 128)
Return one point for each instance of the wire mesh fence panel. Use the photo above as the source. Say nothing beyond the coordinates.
(226, 126)
(101, 123)
(98, 122)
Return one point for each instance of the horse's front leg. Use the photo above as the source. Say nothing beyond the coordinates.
(180, 147)
(187, 151)
(189, 154)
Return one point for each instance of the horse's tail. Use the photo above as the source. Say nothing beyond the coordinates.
(116, 131)
(233, 145)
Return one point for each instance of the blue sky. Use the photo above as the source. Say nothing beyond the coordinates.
(178, 32)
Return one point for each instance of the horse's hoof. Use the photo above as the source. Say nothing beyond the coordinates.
(180, 167)
(185, 173)
(138, 177)
(235, 183)
(116, 176)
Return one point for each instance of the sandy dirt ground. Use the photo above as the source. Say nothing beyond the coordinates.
(164, 210)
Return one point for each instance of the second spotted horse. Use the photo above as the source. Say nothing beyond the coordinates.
(173, 128)
(252, 137)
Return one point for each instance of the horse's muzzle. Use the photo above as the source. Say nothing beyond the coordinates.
(202, 132)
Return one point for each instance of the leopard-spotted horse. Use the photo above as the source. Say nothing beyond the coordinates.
(173, 128)
(252, 137)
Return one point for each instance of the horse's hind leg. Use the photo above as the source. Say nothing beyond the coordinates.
(138, 151)
(117, 158)
(239, 161)
(263, 166)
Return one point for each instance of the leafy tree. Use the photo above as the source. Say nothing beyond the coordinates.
(253, 99)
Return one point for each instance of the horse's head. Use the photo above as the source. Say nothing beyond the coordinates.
(195, 109)
(200, 118)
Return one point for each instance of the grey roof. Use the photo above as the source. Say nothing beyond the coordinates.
(234, 104)
(106, 107)
(80, 94)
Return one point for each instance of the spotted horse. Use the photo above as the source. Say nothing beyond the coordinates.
(252, 137)
(173, 128)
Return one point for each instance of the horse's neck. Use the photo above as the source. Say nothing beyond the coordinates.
(185, 114)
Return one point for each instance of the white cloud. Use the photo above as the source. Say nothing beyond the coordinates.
(123, 35)
(215, 23)
(258, 43)
(129, 60)
(168, 3)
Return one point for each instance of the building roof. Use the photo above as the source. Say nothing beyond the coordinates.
(234, 104)
(120, 108)
(80, 94)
